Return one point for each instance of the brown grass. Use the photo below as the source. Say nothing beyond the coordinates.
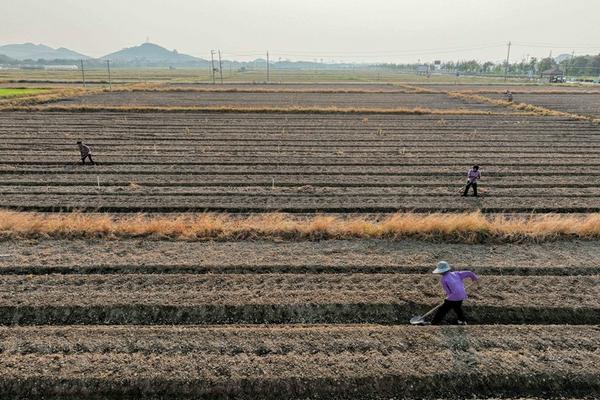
(528, 108)
(155, 87)
(46, 97)
(243, 109)
(419, 89)
(466, 227)
(525, 91)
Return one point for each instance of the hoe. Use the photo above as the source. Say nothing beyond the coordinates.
(420, 319)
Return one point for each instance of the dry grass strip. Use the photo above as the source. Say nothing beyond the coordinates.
(161, 87)
(465, 227)
(528, 108)
(255, 110)
(50, 96)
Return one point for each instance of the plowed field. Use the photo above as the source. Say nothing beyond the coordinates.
(389, 100)
(122, 317)
(297, 163)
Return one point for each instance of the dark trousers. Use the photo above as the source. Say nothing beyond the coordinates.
(473, 185)
(89, 156)
(447, 306)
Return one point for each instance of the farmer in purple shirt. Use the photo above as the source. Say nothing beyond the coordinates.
(452, 282)
(472, 178)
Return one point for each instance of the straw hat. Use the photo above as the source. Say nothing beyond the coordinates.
(442, 267)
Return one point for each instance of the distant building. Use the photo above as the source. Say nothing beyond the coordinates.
(61, 67)
(553, 74)
(423, 70)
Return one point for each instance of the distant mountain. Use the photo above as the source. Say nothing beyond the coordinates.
(30, 51)
(6, 60)
(149, 54)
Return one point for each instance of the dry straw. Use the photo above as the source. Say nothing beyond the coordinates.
(527, 108)
(467, 227)
(246, 109)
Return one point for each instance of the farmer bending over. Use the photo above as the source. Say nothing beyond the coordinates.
(452, 283)
(509, 96)
(86, 152)
(472, 178)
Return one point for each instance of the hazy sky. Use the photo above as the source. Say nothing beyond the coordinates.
(340, 30)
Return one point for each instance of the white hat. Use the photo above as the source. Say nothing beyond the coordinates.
(442, 267)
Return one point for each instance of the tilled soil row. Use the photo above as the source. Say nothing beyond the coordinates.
(249, 99)
(113, 161)
(301, 204)
(299, 362)
(285, 298)
(135, 190)
(89, 177)
(181, 120)
(264, 133)
(109, 147)
(71, 254)
(287, 269)
(380, 373)
(491, 171)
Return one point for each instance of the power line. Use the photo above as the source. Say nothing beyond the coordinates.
(220, 67)
(212, 65)
(507, 63)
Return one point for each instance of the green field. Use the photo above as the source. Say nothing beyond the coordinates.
(14, 92)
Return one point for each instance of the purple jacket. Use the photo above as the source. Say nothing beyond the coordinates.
(453, 285)
(473, 175)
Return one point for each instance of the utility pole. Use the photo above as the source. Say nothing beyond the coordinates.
(507, 63)
(268, 71)
(82, 74)
(109, 80)
(569, 64)
(212, 65)
(220, 67)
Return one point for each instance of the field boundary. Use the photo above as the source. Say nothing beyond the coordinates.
(525, 107)
(249, 110)
(472, 227)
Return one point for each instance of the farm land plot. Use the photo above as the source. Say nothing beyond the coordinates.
(383, 100)
(587, 104)
(296, 163)
(501, 88)
(157, 316)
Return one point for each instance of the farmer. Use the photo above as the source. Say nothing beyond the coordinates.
(452, 283)
(509, 96)
(472, 178)
(86, 152)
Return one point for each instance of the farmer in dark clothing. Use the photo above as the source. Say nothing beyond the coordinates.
(509, 96)
(452, 283)
(86, 152)
(472, 178)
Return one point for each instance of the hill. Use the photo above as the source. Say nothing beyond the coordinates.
(149, 54)
(30, 51)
